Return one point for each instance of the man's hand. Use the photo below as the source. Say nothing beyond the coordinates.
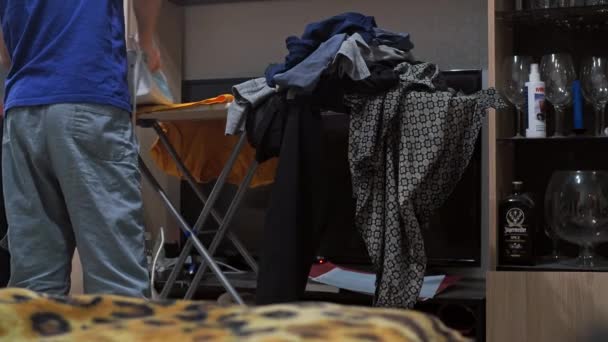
(152, 56)
(146, 13)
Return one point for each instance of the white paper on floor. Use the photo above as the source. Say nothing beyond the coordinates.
(366, 282)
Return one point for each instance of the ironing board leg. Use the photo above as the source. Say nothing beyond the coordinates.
(221, 180)
(175, 271)
(190, 233)
(217, 239)
(201, 195)
(244, 253)
(207, 209)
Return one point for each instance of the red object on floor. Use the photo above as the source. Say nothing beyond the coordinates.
(322, 266)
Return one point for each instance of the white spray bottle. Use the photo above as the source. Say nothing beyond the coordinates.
(537, 126)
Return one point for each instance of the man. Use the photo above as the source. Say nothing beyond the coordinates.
(69, 158)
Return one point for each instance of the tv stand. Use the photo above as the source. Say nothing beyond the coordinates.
(461, 306)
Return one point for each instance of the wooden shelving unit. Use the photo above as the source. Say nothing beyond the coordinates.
(546, 302)
(555, 141)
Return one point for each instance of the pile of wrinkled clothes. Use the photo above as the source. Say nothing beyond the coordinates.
(410, 140)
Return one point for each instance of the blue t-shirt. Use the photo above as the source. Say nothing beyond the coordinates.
(65, 51)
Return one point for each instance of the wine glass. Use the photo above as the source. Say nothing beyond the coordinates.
(558, 73)
(594, 77)
(580, 211)
(550, 209)
(518, 71)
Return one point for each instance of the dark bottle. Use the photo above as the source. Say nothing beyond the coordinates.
(517, 228)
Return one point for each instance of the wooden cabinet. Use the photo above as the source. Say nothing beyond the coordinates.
(545, 306)
(535, 304)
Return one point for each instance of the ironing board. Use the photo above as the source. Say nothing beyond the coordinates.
(200, 113)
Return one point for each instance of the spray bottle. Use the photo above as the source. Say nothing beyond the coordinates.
(537, 127)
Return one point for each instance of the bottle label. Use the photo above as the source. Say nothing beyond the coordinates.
(536, 110)
(516, 218)
(516, 237)
(539, 109)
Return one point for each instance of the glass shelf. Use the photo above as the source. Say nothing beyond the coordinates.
(575, 17)
(567, 140)
(551, 267)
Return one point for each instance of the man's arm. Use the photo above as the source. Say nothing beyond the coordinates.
(146, 13)
(5, 58)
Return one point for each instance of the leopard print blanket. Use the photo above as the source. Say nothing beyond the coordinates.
(27, 316)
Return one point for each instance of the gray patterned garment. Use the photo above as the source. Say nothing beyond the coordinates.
(408, 149)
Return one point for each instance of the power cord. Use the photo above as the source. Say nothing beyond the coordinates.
(154, 261)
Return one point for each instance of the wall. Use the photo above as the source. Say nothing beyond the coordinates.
(240, 39)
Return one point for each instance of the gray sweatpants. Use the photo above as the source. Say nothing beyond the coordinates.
(71, 179)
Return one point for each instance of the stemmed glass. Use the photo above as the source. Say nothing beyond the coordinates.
(550, 213)
(518, 71)
(594, 77)
(558, 73)
(580, 211)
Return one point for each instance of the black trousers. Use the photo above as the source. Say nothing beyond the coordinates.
(296, 216)
(4, 256)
